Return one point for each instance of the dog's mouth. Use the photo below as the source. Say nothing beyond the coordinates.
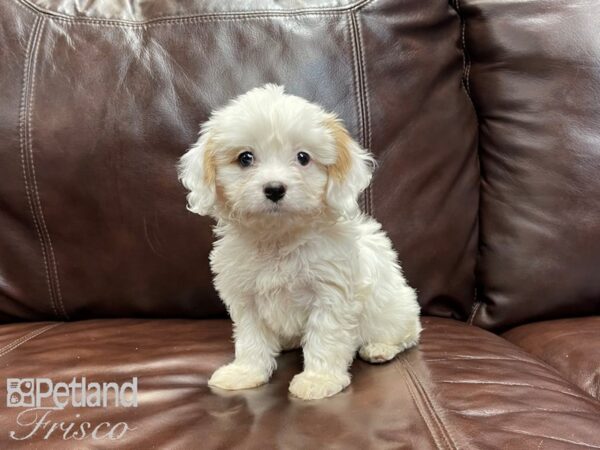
(274, 209)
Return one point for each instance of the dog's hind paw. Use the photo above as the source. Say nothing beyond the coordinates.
(379, 353)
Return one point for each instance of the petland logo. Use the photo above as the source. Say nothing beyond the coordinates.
(42, 397)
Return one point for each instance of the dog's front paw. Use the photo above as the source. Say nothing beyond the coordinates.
(236, 376)
(316, 385)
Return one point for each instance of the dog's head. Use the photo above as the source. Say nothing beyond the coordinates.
(270, 154)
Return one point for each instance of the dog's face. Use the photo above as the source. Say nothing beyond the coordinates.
(269, 154)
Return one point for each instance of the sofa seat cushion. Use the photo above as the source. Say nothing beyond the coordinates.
(462, 387)
(572, 346)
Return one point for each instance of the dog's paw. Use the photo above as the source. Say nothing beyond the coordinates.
(316, 385)
(411, 338)
(409, 342)
(379, 353)
(238, 376)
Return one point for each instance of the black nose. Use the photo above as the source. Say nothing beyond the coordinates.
(274, 191)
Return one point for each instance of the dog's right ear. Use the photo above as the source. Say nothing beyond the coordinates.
(198, 172)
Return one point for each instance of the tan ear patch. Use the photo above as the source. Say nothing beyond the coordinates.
(342, 138)
(210, 165)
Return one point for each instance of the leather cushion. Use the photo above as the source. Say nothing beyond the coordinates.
(462, 387)
(534, 78)
(95, 113)
(144, 11)
(572, 346)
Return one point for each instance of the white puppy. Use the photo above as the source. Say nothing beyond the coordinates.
(295, 262)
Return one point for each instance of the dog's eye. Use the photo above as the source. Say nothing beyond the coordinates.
(303, 158)
(245, 159)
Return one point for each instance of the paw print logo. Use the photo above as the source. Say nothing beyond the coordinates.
(20, 392)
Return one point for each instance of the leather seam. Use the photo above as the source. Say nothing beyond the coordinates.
(368, 142)
(423, 415)
(431, 406)
(359, 87)
(420, 406)
(466, 84)
(23, 133)
(27, 9)
(45, 232)
(206, 17)
(28, 167)
(465, 55)
(355, 83)
(25, 338)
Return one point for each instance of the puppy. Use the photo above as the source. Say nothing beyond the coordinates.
(295, 261)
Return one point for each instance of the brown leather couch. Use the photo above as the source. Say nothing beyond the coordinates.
(485, 118)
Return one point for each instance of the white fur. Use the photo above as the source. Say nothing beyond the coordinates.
(309, 270)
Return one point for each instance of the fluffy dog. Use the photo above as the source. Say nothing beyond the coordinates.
(295, 261)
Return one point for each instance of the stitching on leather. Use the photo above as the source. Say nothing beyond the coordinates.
(25, 338)
(424, 412)
(23, 141)
(367, 107)
(28, 167)
(466, 84)
(26, 8)
(359, 86)
(96, 23)
(435, 413)
(36, 194)
(23, 144)
(466, 59)
(206, 17)
(355, 86)
(424, 416)
(474, 311)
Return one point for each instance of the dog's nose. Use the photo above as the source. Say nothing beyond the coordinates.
(274, 191)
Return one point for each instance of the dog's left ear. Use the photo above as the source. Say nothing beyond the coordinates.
(350, 174)
(197, 172)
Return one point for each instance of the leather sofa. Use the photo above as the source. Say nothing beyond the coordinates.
(485, 118)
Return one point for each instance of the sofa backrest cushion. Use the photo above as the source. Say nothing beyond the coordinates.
(100, 101)
(534, 74)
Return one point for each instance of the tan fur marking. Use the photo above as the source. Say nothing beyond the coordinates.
(210, 167)
(342, 138)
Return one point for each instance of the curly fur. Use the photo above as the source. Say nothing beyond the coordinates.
(309, 270)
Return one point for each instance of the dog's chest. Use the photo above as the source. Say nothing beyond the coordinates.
(279, 284)
(275, 276)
